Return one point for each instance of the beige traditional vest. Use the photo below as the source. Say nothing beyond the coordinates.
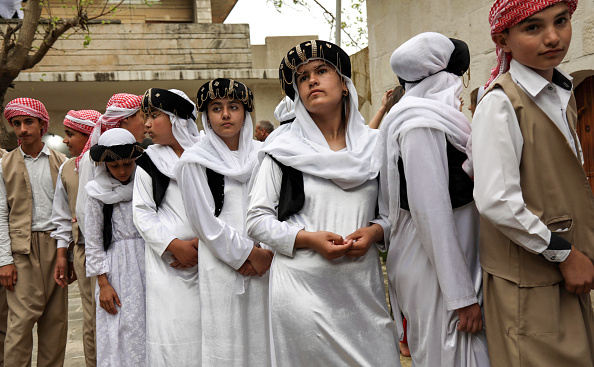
(70, 182)
(20, 198)
(555, 188)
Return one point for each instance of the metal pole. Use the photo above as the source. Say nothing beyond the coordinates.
(338, 21)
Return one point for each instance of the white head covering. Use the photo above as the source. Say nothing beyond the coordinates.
(431, 103)
(303, 147)
(285, 110)
(105, 187)
(212, 152)
(185, 131)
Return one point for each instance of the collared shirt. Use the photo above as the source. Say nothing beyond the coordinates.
(42, 190)
(61, 216)
(497, 151)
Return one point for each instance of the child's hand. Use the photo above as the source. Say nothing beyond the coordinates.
(186, 252)
(471, 319)
(330, 245)
(108, 298)
(260, 259)
(578, 272)
(362, 239)
(61, 268)
(247, 270)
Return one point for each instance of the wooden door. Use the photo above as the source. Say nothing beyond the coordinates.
(584, 94)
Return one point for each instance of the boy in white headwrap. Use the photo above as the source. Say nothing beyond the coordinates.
(432, 263)
(173, 333)
(537, 228)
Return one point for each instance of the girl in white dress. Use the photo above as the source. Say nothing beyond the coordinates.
(172, 299)
(214, 175)
(115, 252)
(314, 201)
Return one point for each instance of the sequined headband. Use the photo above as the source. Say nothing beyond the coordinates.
(224, 88)
(167, 101)
(102, 153)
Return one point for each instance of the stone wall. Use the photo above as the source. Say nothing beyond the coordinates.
(392, 22)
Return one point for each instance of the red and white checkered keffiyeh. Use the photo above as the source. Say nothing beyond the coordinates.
(119, 106)
(82, 121)
(27, 107)
(507, 13)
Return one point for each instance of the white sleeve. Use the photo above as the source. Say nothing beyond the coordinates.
(86, 172)
(262, 217)
(224, 241)
(96, 257)
(5, 249)
(61, 216)
(497, 150)
(144, 211)
(424, 156)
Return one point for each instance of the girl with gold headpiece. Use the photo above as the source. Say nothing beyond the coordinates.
(313, 201)
(214, 175)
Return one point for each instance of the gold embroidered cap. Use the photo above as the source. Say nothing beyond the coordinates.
(314, 49)
(167, 101)
(224, 88)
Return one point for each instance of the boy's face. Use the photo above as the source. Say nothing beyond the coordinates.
(75, 141)
(27, 129)
(135, 125)
(540, 41)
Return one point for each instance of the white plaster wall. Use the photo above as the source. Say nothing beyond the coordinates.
(392, 22)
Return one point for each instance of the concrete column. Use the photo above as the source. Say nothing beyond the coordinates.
(202, 11)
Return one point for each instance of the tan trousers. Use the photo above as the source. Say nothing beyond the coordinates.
(3, 322)
(86, 287)
(36, 299)
(537, 327)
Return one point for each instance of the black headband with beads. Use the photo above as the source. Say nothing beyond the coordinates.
(224, 88)
(102, 153)
(168, 101)
(314, 49)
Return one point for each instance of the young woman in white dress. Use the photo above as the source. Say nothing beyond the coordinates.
(115, 252)
(314, 202)
(214, 175)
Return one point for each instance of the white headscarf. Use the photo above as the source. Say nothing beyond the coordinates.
(185, 131)
(212, 152)
(285, 110)
(105, 187)
(303, 147)
(431, 103)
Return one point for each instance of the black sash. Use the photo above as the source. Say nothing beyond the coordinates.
(216, 182)
(160, 181)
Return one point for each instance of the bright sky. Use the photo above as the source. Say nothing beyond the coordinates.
(265, 21)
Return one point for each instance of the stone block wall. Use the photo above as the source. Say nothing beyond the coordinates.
(392, 22)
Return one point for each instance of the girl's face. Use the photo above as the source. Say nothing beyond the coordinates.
(320, 87)
(121, 170)
(158, 126)
(226, 117)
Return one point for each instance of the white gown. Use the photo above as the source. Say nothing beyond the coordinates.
(173, 335)
(323, 312)
(234, 308)
(433, 265)
(120, 338)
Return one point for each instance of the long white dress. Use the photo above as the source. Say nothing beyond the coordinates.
(323, 312)
(120, 338)
(433, 265)
(234, 308)
(173, 335)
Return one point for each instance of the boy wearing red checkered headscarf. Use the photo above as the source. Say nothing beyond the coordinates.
(27, 252)
(537, 227)
(78, 126)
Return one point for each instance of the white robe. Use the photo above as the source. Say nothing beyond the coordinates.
(323, 313)
(433, 265)
(173, 335)
(120, 338)
(234, 308)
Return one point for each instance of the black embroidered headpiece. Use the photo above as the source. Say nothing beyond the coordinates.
(168, 101)
(458, 64)
(224, 88)
(314, 49)
(102, 153)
